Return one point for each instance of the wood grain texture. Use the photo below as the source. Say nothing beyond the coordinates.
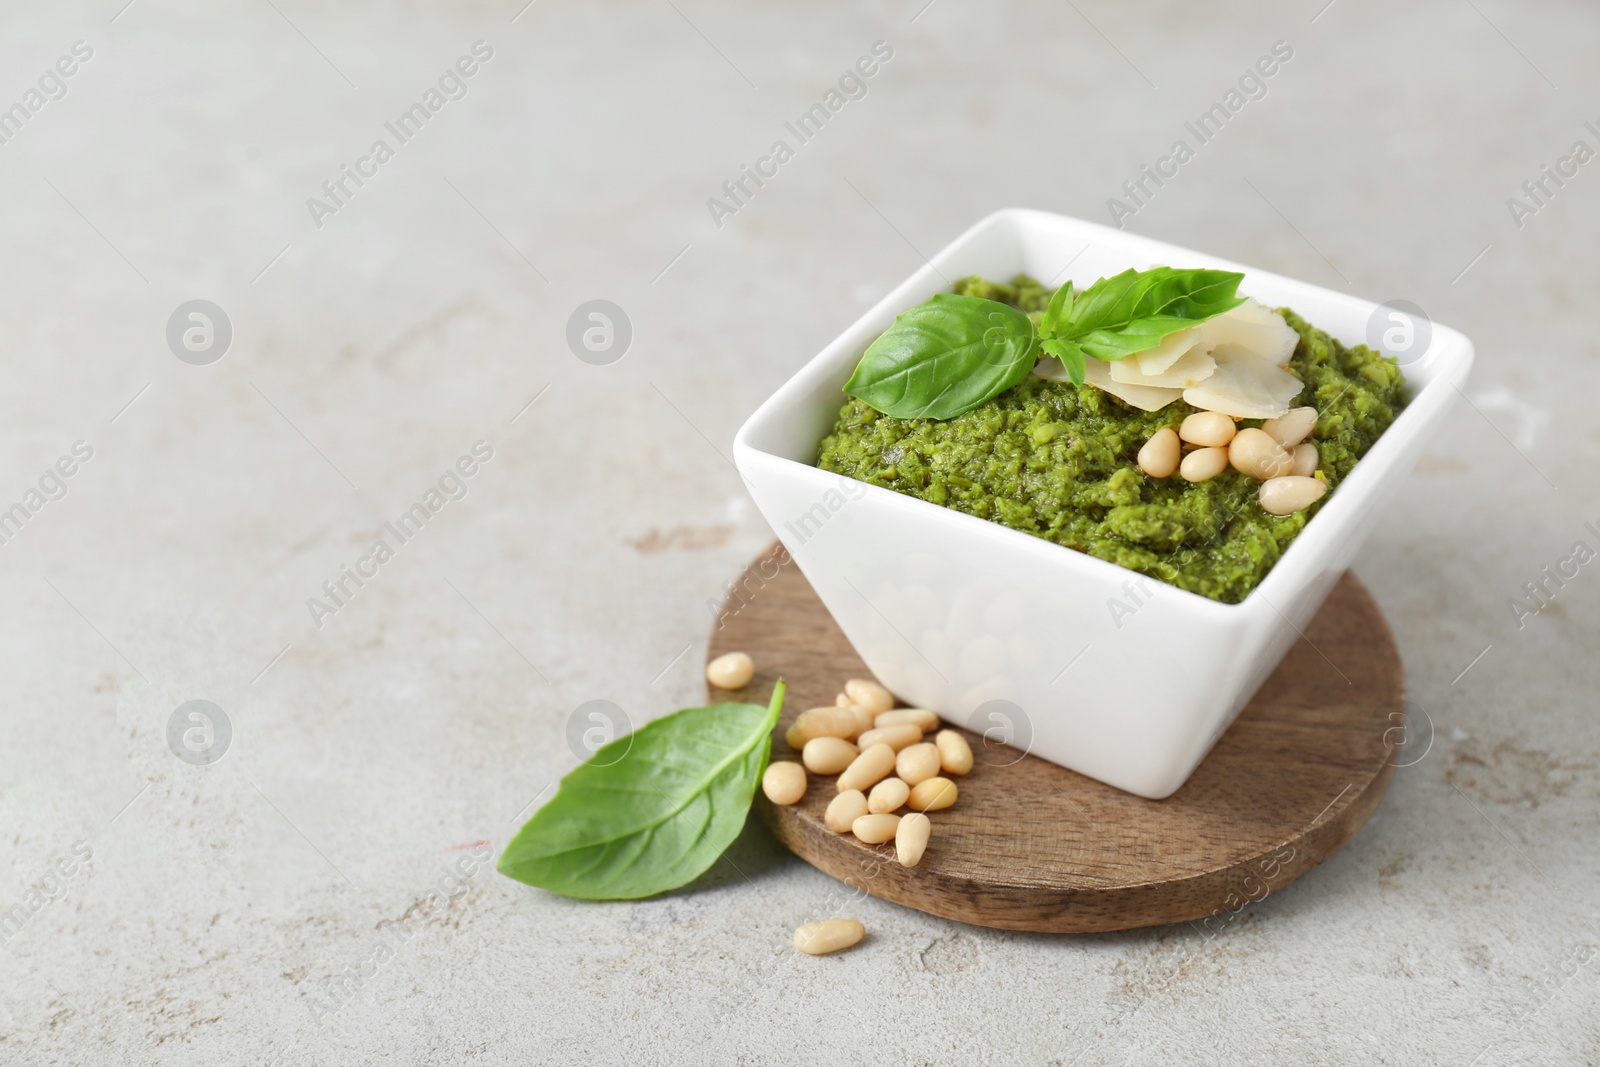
(1034, 846)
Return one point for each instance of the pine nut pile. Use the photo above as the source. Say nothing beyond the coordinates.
(883, 765)
(1278, 455)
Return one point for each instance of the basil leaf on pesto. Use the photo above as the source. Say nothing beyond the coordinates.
(1070, 355)
(1058, 463)
(650, 811)
(952, 353)
(945, 357)
(1133, 311)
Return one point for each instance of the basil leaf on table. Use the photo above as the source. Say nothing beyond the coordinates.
(650, 811)
(945, 357)
(1133, 311)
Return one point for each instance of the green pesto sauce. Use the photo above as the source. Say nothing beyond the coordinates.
(1061, 463)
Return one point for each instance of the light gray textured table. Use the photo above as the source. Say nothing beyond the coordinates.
(283, 903)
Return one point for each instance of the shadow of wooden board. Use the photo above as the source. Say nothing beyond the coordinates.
(1033, 846)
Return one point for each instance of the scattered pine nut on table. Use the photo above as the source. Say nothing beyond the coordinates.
(917, 763)
(896, 737)
(868, 694)
(731, 671)
(921, 718)
(887, 795)
(784, 783)
(828, 755)
(876, 829)
(828, 935)
(844, 810)
(821, 722)
(955, 755)
(866, 719)
(911, 838)
(871, 767)
(935, 794)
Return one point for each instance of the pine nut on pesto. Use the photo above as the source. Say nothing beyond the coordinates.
(1061, 462)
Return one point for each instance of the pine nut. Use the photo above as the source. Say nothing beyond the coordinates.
(869, 695)
(821, 722)
(911, 839)
(1287, 495)
(896, 737)
(1255, 453)
(868, 769)
(732, 671)
(955, 755)
(921, 718)
(829, 935)
(844, 810)
(887, 795)
(828, 755)
(1203, 464)
(935, 794)
(917, 763)
(784, 783)
(1305, 459)
(1209, 429)
(864, 717)
(842, 700)
(1159, 456)
(1292, 427)
(875, 829)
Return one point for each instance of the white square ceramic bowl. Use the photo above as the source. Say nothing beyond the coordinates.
(954, 612)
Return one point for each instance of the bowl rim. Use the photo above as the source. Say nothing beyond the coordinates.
(1449, 357)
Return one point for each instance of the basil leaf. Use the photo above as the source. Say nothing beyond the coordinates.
(1133, 311)
(1057, 311)
(945, 357)
(650, 811)
(1070, 355)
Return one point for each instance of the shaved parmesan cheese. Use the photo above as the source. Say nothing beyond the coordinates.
(1246, 387)
(1172, 348)
(1193, 367)
(1050, 369)
(1147, 398)
(1232, 364)
(1250, 328)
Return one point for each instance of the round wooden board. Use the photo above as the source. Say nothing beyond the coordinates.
(1034, 846)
